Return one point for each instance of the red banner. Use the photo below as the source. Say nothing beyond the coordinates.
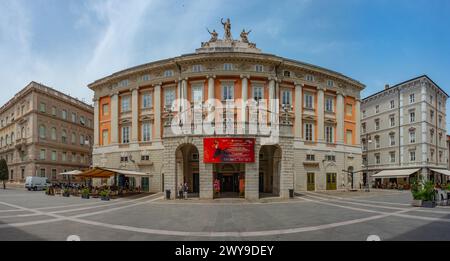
(228, 150)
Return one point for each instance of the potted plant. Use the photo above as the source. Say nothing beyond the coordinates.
(85, 193)
(104, 194)
(66, 192)
(416, 191)
(428, 195)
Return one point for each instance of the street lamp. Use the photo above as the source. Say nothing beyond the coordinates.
(368, 141)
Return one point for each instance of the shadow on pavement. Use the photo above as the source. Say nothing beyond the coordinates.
(16, 234)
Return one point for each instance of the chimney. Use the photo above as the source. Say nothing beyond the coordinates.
(386, 86)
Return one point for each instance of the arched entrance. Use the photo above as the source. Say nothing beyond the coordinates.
(269, 170)
(229, 178)
(187, 168)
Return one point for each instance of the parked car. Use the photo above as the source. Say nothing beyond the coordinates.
(36, 183)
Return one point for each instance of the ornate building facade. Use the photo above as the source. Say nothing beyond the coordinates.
(45, 132)
(404, 132)
(317, 117)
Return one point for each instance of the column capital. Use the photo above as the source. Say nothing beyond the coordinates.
(341, 93)
(134, 89)
(298, 84)
(211, 76)
(159, 84)
(272, 78)
(246, 76)
(321, 88)
(116, 93)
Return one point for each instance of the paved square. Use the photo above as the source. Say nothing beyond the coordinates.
(334, 215)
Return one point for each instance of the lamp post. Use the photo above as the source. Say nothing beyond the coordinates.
(368, 141)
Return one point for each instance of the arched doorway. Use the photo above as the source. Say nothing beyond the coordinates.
(187, 168)
(269, 170)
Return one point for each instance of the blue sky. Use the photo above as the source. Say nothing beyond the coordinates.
(68, 44)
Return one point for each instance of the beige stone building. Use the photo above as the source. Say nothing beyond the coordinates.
(404, 132)
(318, 118)
(45, 132)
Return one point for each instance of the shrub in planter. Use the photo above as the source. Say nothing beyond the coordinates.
(85, 193)
(66, 193)
(104, 194)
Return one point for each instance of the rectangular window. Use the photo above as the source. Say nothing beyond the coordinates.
(286, 97)
(42, 107)
(42, 154)
(227, 91)
(392, 121)
(145, 157)
(105, 137)
(258, 93)
(329, 134)
(377, 142)
(308, 131)
(392, 156)
(412, 156)
(64, 114)
(377, 109)
(330, 158)
(197, 94)
(309, 78)
(197, 68)
(392, 139)
(124, 83)
(349, 109)
(377, 158)
(412, 98)
(309, 101)
(349, 137)
(412, 117)
(330, 83)
(145, 78)
(168, 73)
(81, 139)
(54, 155)
(125, 104)
(392, 104)
(377, 124)
(74, 117)
(146, 132)
(74, 138)
(329, 104)
(364, 128)
(412, 136)
(54, 111)
(147, 101)
(42, 173)
(74, 157)
(82, 120)
(440, 122)
(228, 67)
(64, 156)
(105, 109)
(126, 134)
(310, 157)
(259, 68)
(431, 115)
(169, 97)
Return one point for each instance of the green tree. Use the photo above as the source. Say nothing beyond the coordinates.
(3, 172)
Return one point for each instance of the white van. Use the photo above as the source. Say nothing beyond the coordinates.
(36, 183)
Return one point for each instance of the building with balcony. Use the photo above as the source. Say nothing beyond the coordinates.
(44, 132)
(315, 112)
(403, 132)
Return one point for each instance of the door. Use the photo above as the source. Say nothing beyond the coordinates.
(331, 181)
(196, 185)
(311, 181)
(145, 184)
(261, 182)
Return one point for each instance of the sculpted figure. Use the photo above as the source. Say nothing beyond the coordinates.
(244, 36)
(214, 35)
(227, 28)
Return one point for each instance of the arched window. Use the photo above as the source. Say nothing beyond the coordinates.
(1, 142)
(53, 133)
(6, 139)
(42, 132)
(12, 137)
(22, 133)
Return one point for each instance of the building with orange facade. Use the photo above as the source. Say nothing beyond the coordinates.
(313, 115)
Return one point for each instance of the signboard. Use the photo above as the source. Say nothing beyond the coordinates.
(228, 150)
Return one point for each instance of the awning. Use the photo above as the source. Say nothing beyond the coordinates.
(442, 171)
(72, 173)
(98, 172)
(395, 173)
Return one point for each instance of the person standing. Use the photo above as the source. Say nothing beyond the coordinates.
(180, 191)
(185, 190)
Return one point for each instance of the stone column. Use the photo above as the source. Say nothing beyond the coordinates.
(206, 177)
(320, 114)
(271, 104)
(115, 118)
(96, 123)
(358, 122)
(286, 168)
(298, 111)
(211, 87)
(157, 109)
(340, 114)
(252, 180)
(134, 115)
(244, 97)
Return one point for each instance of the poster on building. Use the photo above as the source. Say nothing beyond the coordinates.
(228, 150)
